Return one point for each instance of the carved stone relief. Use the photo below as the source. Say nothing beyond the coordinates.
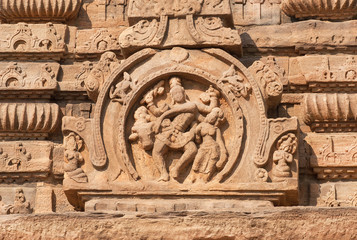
(39, 10)
(174, 122)
(328, 9)
(32, 39)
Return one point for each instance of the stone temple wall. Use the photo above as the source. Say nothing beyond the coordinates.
(136, 106)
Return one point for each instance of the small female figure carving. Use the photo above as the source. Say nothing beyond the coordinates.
(286, 147)
(212, 153)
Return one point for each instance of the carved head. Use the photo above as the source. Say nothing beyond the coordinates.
(20, 196)
(178, 94)
(215, 116)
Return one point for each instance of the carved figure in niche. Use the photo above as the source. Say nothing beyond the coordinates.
(235, 82)
(174, 124)
(283, 156)
(72, 145)
(172, 127)
(21, 206)
(212, 154)
(120, 93)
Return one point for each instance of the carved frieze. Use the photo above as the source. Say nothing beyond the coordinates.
(95, 42)
(335, 194)
(28, 120)
(41, 40)
(149, 9)
(333, 156)
(20, 161)
(179, 23)
(256, 12)
(326, 9)
(177, 123)
(330, 112)
(39, 10)
(323, 74)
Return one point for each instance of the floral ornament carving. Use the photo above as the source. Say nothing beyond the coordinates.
(261, 175)
(121, 92)
(269, 80)
(283, 157)
(93, 83)
(73, 144)
(235, 82)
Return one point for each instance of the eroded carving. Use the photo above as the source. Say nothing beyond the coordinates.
(175, 126)
(235, 82)
(121, 92)
(20, 205)
(73, 144)
(83, 74)
(18, 160)
(269, 80)
(283, 157)
(93, 83)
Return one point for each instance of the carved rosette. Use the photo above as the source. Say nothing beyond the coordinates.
(39, 10)
(325, 9)
(177, 123)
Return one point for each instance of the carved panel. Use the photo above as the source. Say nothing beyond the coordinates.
(330, 112)
(176, 123)
(256, 12)
(148, 9)
(20, 161)
(43, 40)
(28, 120)
(39, 10)
(333, 156)
(327, 9)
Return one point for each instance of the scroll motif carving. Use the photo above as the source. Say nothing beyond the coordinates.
(283, 157)
(144, 33)
(73, 144)
(211, 30)
(39, 10)
(93, 83)
(269, 80)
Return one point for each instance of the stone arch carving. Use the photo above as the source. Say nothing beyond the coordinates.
(99, 157)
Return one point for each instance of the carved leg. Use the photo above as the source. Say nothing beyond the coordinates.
(158, 153)
(190, 150)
